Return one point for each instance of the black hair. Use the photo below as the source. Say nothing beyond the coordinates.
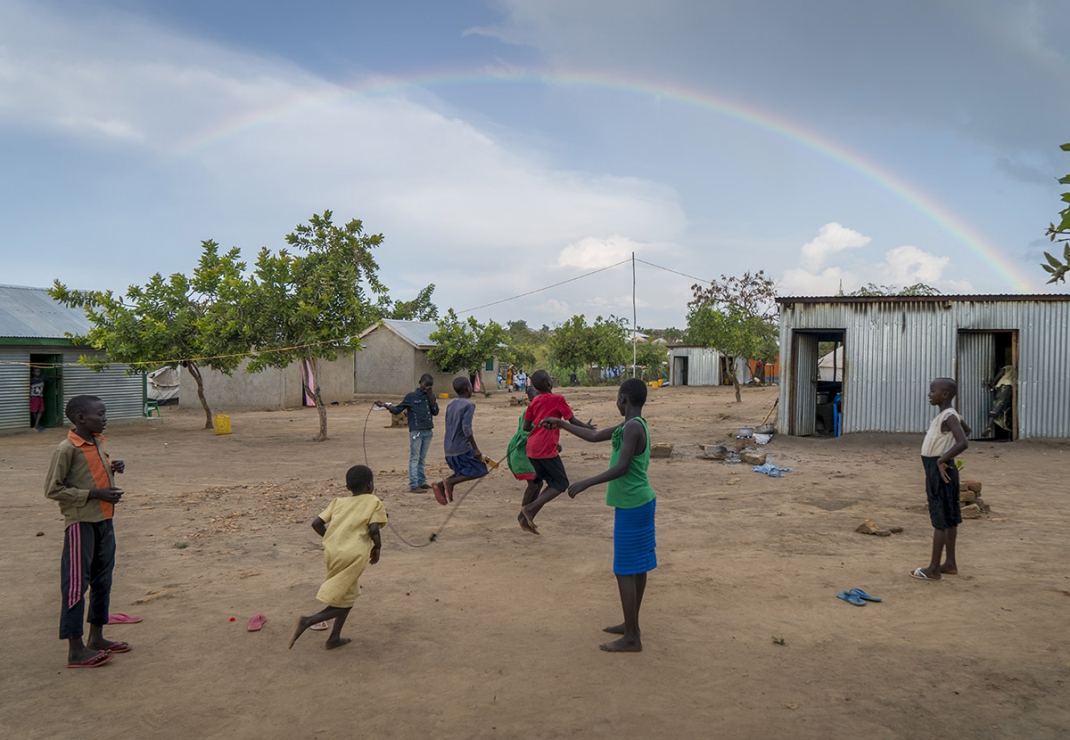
(427, 376)
(634, 391)
(80, 405)
(358, 478)
(948, 384)
(459, 384)
(541, 380)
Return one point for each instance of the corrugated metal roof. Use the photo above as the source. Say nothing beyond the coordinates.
(416, 333)
(31, 313)
(993, 298)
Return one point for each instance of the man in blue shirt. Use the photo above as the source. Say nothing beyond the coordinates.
(422, 406)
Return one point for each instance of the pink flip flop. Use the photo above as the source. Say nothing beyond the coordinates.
(257, 622)
(121, 618)
(319, 626)
(94, 662)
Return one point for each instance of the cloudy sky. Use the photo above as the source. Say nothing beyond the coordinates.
(501, 146)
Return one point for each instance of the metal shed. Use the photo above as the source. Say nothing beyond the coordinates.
(694, 366)
(894, 345)
(33, 330)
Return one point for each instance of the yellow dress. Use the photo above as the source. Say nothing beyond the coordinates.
(347, 546)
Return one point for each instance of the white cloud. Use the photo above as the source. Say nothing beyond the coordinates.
(592, 253)
(800, 281)
(831, 238)
(909, 265)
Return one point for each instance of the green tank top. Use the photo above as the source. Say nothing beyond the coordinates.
(632, 489)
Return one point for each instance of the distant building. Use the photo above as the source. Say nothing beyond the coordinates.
(394, 356)
(892, 346)
(33, 333)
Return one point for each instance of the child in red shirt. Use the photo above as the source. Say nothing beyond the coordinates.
(542, 447)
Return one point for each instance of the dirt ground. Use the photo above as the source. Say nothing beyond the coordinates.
(493, 633)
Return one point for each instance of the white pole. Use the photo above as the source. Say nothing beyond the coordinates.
(635, 329)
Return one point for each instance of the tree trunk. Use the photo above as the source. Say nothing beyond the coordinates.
(735, 378)
(317, 399)
(196, 373)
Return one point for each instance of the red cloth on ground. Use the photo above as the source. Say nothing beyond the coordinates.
(542, 443)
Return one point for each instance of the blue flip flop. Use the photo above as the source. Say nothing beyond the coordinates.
(850, 598)
(863, 595)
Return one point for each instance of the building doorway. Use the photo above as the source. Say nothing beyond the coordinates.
(51, 367)
(816, 401)
(679, 371)
(986, 370)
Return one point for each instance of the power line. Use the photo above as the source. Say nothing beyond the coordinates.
(539, 290)
(676, 272)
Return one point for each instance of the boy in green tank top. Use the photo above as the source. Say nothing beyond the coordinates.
(630, 494)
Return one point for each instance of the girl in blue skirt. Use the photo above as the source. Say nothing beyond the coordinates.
(630, 494)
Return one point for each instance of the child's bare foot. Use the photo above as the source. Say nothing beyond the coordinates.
(80, 655)
(333, 642)
(614, 629)
(113, 647)
(623, 645)
(529, 518)
(303, 623)
(950, 570)
(524, 524)
(448, 489)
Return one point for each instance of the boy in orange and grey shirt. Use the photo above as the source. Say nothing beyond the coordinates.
(82, 479)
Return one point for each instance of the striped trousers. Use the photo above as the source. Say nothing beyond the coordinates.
(88, 562)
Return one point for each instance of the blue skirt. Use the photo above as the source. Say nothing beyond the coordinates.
(633, 540)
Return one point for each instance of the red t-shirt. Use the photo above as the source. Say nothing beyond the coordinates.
(542, 442)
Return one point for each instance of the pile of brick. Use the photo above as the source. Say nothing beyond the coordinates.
(400, 420)
(973, 506)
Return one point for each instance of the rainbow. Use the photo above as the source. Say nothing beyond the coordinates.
(1001, 265)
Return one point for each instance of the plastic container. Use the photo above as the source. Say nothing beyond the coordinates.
(221, 423)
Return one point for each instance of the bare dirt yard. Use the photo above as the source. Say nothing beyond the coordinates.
(491, 632)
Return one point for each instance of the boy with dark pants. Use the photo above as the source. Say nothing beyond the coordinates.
(462, 452)
(542, 447)
(634, 501)
(945, 440)
(82, 479)
(422, 407)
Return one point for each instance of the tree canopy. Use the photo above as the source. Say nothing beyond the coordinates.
(463, 346)
(574, 345)
(1060, 233)
(168, 321)
(872, 289)
(313, 304)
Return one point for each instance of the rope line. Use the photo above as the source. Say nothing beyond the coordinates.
(390, 524)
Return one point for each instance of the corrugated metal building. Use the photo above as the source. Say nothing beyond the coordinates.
(894, 345)
(694, 366)
(32, 334)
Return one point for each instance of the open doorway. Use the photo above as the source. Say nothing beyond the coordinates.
(987, 376)
(51, 368)
(818, 374)
(679, 370)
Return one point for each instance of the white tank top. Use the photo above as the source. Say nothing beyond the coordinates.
(937, 441)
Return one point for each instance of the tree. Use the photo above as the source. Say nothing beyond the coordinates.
(575, 345)
(872, 289)
(167, 322)
(419, 308)
(737, 317)
(463, 346)
(312, 305)
(651, 356)
(1061, 233)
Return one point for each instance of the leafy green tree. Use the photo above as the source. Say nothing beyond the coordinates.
(574, 345)
(463, 346)
(651, 357)
(312, 304)
(420, 308)
(872, 289)
(1061, 233)
(169, 321)
(737, 317)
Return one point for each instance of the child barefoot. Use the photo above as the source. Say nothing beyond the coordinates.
(633, 498)
(350, 531)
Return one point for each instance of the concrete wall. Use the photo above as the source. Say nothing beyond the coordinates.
(389, 366)
(269, 389)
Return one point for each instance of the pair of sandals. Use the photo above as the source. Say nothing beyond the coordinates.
(856, 597)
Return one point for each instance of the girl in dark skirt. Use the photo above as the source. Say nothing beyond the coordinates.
(630, 493)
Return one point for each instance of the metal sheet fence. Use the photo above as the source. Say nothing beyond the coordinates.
(123, 394)
(14, 390)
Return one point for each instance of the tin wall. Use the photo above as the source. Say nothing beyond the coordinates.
(703, 365)
(122, 394)
(893, 349)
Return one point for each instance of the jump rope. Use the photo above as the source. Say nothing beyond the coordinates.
(460, 500)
